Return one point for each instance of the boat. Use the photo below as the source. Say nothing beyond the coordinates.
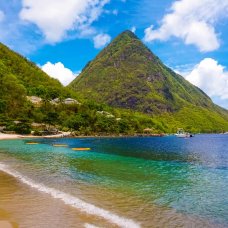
(60, 145)
(81, 149)
(182, 134)
(32, 143)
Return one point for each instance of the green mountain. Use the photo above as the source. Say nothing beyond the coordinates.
(126, 74)
(20, 78)
(27, 73)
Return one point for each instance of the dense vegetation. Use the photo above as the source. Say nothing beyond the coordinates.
(28, 75)
(126, 74)
(20, 78)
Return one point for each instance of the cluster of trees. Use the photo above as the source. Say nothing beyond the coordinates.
(83, 119)
(91, 118)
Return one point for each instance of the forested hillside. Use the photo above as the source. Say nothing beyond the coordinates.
(93, 115)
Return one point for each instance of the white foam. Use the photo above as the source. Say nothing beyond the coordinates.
(72, 201)
(87, 225)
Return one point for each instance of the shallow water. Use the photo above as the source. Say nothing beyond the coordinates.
(121, 182)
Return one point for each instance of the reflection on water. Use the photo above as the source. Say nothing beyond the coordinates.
(162, 181)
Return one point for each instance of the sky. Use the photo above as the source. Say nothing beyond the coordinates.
(189, 36)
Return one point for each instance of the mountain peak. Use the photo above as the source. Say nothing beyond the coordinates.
(128, 33)
(127, 74)
(125, 45)
(126, 36)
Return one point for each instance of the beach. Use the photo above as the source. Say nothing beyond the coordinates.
(6, 219)
(9, 136)
(22, 206)
(17, 136)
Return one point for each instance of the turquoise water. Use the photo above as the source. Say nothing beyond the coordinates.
(188, 176)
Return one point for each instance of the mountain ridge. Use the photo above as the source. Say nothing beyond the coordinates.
(127, 64)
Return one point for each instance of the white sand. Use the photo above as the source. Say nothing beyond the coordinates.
(64, 134)
(14, 136)
(8, 136)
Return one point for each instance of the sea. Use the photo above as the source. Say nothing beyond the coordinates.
(115, 182)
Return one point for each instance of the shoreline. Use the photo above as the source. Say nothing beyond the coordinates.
(66, 199)
(10, 217)
(9, 136)
(18, 136)
(4, 136)
(48, 194)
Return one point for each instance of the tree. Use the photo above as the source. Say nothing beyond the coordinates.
(51, 118)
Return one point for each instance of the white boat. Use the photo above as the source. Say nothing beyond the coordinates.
(182, 134)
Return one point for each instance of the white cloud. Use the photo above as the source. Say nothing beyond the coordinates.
(212, 78)
(57, 17)
(2, 15)
(133, 29)
(192, 21)
(101, 40)
(60, 72)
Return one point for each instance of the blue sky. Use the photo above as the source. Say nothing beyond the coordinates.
(190, 36)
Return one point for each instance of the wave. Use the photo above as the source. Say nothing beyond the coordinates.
(71, 200)
(87, 225)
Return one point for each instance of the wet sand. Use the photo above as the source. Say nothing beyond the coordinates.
(6, 221)
(21, 206)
